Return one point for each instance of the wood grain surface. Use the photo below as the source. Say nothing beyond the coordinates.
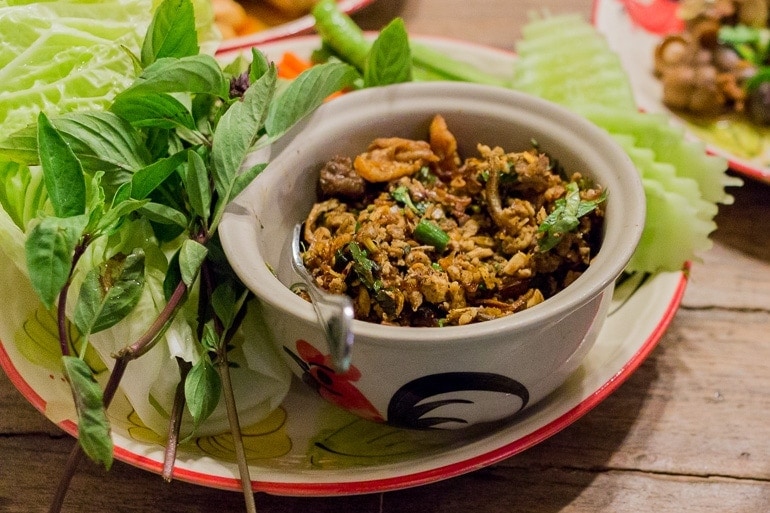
(689, 431)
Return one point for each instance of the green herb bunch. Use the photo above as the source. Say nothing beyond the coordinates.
(169, 153)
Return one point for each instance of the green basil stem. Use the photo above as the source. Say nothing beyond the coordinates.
(175, 422)
(428, 232)
(223, 367)
(64, 342)
(235, 428)
(135, 350)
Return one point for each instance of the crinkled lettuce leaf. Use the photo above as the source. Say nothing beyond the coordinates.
(22, 196)
(65, 55)
(71, 55)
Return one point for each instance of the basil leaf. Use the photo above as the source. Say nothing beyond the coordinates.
(93, 425)
(202, 389)
(305, 93)
(209, 340)
(146, 180)
(224, 302)
(389, 61)
(245, 178)
(62, 172)
(163, 214)
(171, 32)
(109, 292)
(104, 142)
(96, 202)
(123, 193)
(173, 276)
(101, 140)
(197, 186)
(117, 212)
(193, 74)
(50, 248)
(22, 192)
(238, 130)
(191, 257)
(259, 65)
(158, 110)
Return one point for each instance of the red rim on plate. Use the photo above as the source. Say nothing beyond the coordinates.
(397, 482)
(492, 448)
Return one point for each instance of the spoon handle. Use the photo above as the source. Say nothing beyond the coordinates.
(334, 311)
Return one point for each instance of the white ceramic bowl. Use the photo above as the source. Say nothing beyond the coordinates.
(446, 377)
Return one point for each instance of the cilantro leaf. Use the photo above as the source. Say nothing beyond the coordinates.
(565, 217)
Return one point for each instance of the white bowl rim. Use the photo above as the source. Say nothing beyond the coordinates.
(602, 272)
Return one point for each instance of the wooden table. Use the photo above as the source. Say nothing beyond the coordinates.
(688, 432)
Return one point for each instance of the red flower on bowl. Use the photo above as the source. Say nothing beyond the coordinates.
(335, 387)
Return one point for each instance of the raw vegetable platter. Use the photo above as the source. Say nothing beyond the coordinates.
(633, 28)
(307, 447)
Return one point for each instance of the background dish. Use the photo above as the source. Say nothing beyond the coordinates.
(633, 28)
(294, 27)
(310, 448)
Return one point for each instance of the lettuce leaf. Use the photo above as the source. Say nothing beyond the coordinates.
(55, 58)
(64, 56)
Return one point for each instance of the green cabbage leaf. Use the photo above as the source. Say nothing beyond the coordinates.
(65, 55)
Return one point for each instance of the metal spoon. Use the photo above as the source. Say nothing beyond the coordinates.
(334, 311)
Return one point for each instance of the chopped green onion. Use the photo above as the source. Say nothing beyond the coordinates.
(428, 232)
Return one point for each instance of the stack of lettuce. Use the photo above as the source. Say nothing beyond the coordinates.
(75, 55)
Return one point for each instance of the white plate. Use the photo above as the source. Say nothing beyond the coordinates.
(308, 447)
(301, 25)
(633, 28)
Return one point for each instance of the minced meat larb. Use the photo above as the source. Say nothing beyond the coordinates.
(419, 237)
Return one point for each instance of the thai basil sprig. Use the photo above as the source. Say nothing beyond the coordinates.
(171, 150)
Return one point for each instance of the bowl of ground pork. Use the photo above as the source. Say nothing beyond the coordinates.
(478, 232)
